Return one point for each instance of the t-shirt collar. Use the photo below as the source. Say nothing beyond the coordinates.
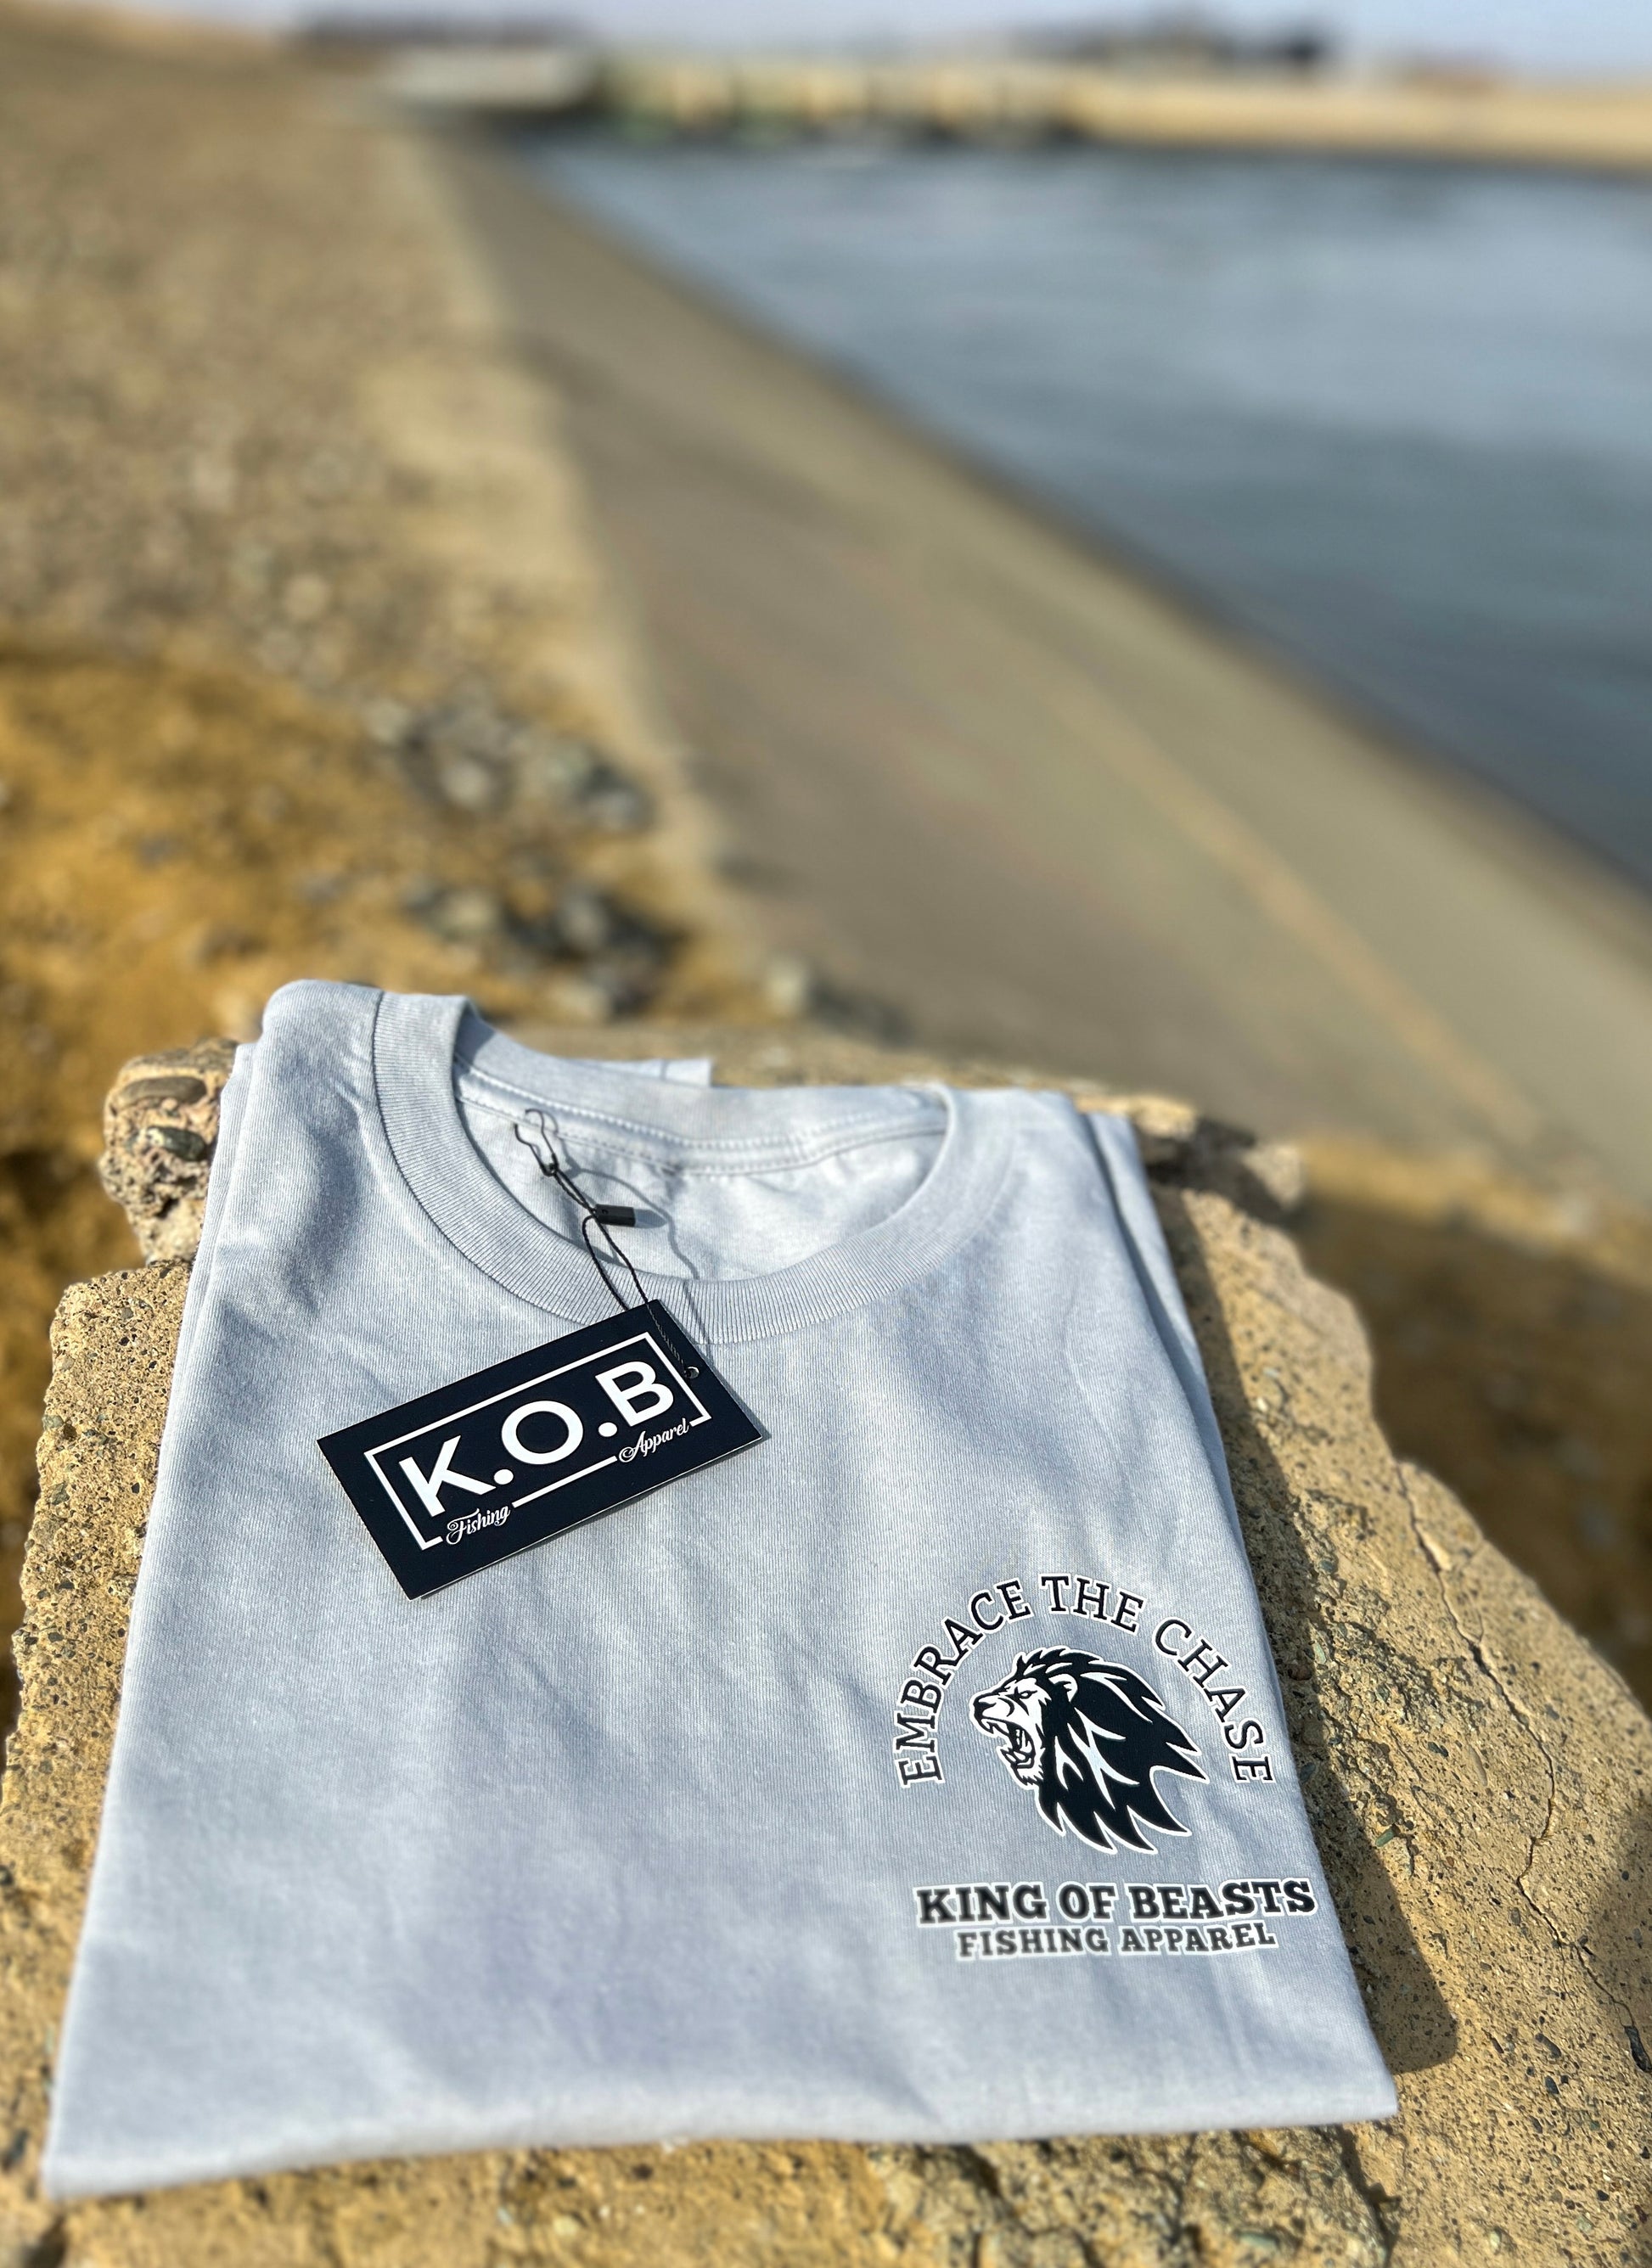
(420, 1041)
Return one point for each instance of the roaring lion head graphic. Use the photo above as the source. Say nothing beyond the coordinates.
(1086, 1736)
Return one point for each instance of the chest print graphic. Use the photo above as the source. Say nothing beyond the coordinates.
(1090, 1739)
(1087, 1737)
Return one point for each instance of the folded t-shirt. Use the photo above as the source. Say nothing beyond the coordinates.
(919, 1774)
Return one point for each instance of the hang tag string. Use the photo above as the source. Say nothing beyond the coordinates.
(606, 1219)
(593, 1220)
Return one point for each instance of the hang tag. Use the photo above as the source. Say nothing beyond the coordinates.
(453, 1481)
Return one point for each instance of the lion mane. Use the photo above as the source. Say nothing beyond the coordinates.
(1088, 1735)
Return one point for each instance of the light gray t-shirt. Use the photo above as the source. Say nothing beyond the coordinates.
(918, 1774)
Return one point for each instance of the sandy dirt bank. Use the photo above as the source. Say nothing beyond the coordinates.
(305, 664)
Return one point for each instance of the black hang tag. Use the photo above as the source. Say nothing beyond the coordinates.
(453, 1481)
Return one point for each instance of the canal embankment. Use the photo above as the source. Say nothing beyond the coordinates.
(1465, 117)
(1007, 798)
(982, 773)
(1458, 115)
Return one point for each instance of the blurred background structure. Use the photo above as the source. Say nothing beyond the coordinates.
(1116, 543)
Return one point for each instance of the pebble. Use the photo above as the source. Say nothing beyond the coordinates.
(466, 784)
(181, 1088)
(586, 921)
(788, 984)
(468, 916)
(178, 1142)
(474, 756)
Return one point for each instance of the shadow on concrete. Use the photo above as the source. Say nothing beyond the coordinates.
(1618, 1945)
(1413, 2025)
(1523, 1377)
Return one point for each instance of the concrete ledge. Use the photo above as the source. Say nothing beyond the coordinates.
(1479, 1782)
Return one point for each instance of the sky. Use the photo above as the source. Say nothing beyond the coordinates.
(1564, 35)
(1569, 36)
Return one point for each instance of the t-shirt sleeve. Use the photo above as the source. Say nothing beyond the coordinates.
(232, 1111)
(1126, 1179)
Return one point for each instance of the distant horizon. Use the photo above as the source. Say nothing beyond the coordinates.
(1590, 38)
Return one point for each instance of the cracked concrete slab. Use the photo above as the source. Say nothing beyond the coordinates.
(1478, 1781)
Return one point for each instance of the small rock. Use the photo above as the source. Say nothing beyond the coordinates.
(623, 954)
(468, 783)
(473, 756)
(219, 941)
(551, 770)
(615, 805)
(846, 1008)
(387, 722)
(626, 982)
(573, 999)
(160, 1124)
(468, 916)
(322, 887)
(788, 985)
(456, 753)
(170, 1087)
(178, 1141)
(573, 778)
(586, 921)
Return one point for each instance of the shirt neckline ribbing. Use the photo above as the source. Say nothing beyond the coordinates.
(420, 1041)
